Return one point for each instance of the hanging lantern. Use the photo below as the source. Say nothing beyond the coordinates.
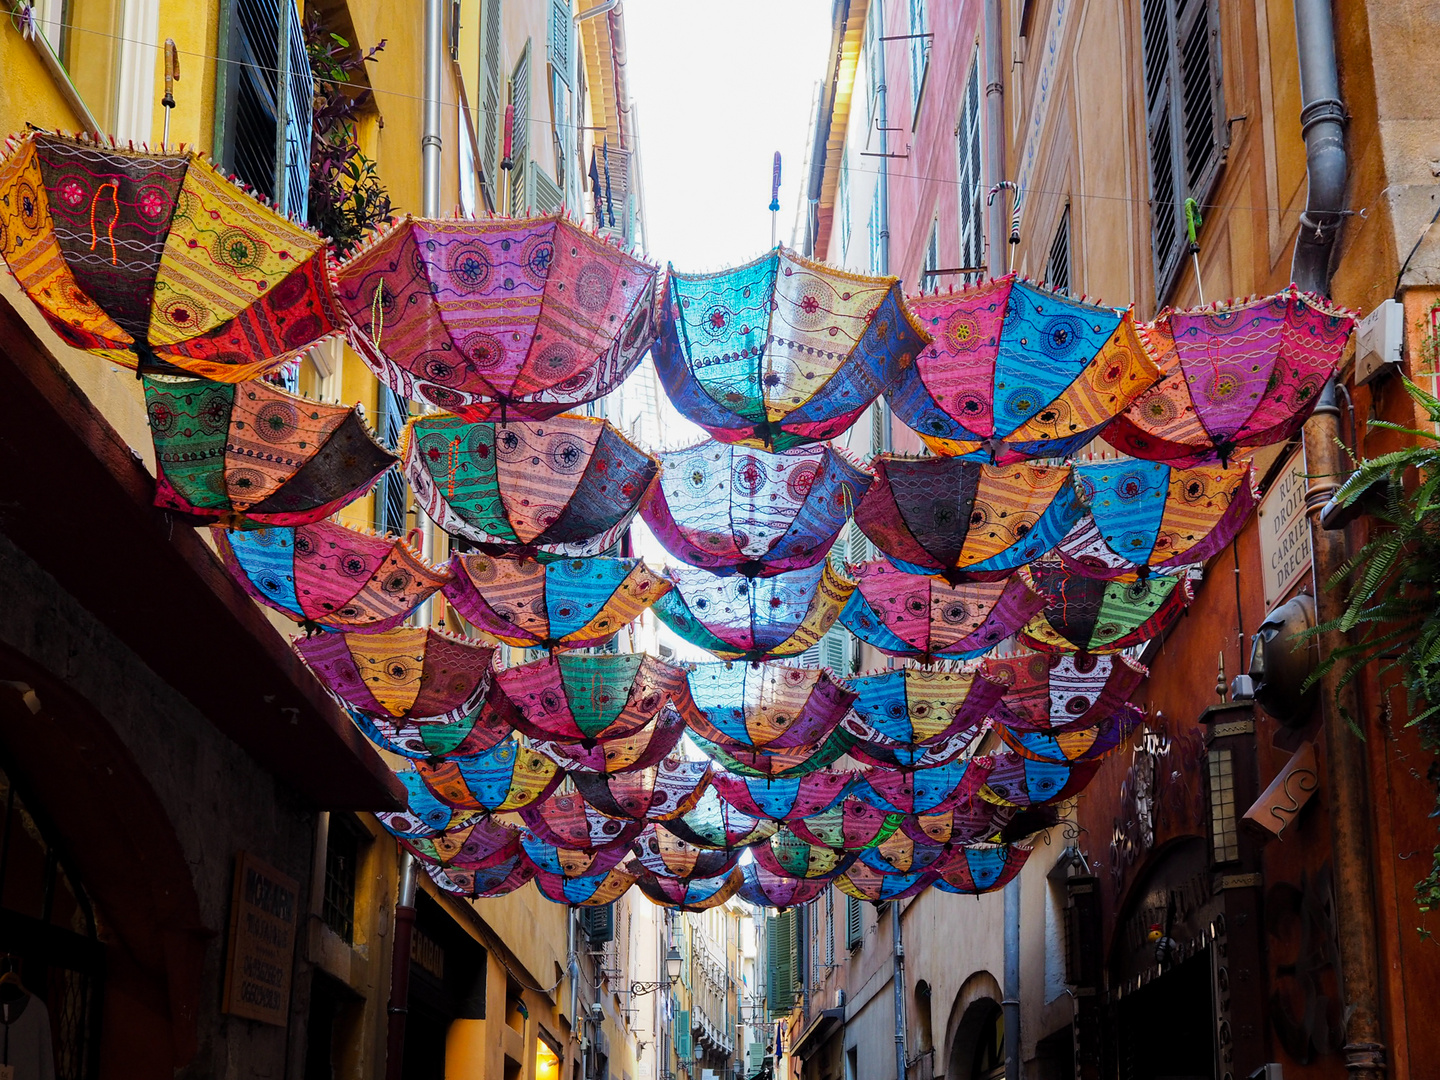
(253, 456)
(1238, 375)
(1085, 615)
(566, 604)
(325, 575)
(156, 261)
(1014, 371)
(1147, 516)
(781, 351)
(965, 520)
(729, 509)
(738, 618)
(566, 486)
(909, 615)
(411, 673)
(498, 318)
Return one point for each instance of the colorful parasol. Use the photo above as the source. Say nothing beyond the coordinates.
(579, 698)
(641, 749)
(1016, 371)
(1243, 374)
(689, 894)
(738, 618)
(910, 615)
(1085, 615)
(1147, 516)
(477, 731)
(923, 791)
(850, 825)
(871, 748)
(901, 853)
(566, 819)
(776, 762)
(476, 843)
(566, 604)
(727, 508)
(791, 856)
(510, 776)
(1020, 781)
(783, 800)
(913, 707)
(325, 575)
(771, 707)
(664, 854)
(595, 891)
(498, 880)
(497, 317)
(714, 823)
(411, 673)
(1055, 692)
(1081, 745)
(568, 486)
(967, 822)
(156, 259)
(866, 883)
(253, 456)
(963, 519)
(572, 862)
(764, 888)
(781, 351)
(660, 792)
(980, 868)
(425, 816)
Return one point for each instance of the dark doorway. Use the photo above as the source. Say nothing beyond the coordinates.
(1167, 1028)
(447, 982)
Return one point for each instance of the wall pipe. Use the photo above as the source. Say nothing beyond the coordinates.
(1322, 125)
(1010, 1006)
(430, 141)
(897, 939)
(400, 968)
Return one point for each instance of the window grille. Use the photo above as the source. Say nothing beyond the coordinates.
(1185, 120)
(970, 177)
(270, 120)
(342, 856)
(1057, 265)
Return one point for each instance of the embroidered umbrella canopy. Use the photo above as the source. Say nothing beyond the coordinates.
(714, 823)
(783, 800)
(923, 791)
(660, 792)
(498, 880)
(566, 819)
(850, 825)
(325, 575)
(572, 862)
(477, 731)
(765, 888)
(738, 618)
(963, 519)
(1083, 614)
(1081, 745)
(568, 486)
(253, 456)
(1146, 515)
(689, 894)
(1014, 371)
(664, 854)
(474, 844)
(910, 615)
(410, 673)
(980, 868)
(156, 261)
(1242, 374)
(777, 762)
(727, 508)
(772, 707)
(1020, 781)
(914, 707)
(781, 351)
(1055, 692)
(498, 317)
(871, 748)
(425, 816)
(791, 856)
(641, 749)
(901, 853)
(964, 823)
(566, 604)
(866, 883)
(510, 776)
(595, 891)
(579, 698)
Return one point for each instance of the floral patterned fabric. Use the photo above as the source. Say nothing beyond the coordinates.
(690, 894)
(771, 707)
(764, 888)
(979, 868)
(411, 673)
(574, 698)
(1051, 692)
(1085, 615)
(498, 319)
(156, 261)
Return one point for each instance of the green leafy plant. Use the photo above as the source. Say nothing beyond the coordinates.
(347, 199)
(1391, 614)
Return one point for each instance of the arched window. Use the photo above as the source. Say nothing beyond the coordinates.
(925, 1036)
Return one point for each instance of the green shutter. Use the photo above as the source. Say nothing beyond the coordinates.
(492, 102)
(559, 38)
(782, 961)
(854, 933)
(682, 1035)
(520, 135)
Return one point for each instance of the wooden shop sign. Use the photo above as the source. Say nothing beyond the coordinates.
(261, 955)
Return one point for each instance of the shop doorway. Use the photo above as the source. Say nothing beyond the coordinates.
(1167, 1026)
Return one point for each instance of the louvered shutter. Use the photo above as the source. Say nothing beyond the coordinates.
(853, 930)
(520, 139)
(545, 195)
(492, 108)
(754, 1058)
(682, 1035)
(782, 952)
(390, 493)
(599, 923)
(559, 39)
(299, 101)
(970, 185)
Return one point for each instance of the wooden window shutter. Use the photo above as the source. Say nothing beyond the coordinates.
(970, 184)
(559, 39)
(782, 953)
(520, 138)
(1057, 264)
(682, 1035)
(492, 108)
(854, 932)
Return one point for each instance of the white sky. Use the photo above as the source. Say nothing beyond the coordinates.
(720, 88)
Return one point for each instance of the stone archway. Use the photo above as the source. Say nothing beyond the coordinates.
(975, 1007)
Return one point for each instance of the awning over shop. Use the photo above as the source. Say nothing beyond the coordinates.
(818, 1032)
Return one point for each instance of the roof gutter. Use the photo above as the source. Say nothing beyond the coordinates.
(1322, 124)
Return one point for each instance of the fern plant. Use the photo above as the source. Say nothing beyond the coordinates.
(1391, 614)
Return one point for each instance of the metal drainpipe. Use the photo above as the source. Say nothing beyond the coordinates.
(897, 940)
(1011, 1004)
(1322, 120)
(572, 961)
(430, 142)
(400, 968)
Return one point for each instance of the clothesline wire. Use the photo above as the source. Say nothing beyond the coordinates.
(541, 120)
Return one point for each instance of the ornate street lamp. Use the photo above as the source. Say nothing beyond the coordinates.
(673, 963)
